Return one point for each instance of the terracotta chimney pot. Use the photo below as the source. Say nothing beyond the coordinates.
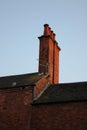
(46, 30)
(54, 35)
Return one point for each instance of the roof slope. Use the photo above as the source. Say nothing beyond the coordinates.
(19, 80)
(63, 93)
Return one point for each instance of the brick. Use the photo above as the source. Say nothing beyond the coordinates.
(15, 108)
(67, 116)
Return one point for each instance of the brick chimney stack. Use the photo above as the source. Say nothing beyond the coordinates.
(49, 55)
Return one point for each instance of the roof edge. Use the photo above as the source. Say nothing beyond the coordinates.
(18, 75)
(57, 102)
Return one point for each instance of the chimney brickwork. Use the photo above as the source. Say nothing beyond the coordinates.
(49, 55)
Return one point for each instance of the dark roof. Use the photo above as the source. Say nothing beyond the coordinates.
(65, 92)
(19, 80)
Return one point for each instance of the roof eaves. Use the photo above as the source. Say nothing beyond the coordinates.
(57, 102)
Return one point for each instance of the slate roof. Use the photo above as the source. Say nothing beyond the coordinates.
(64, 92)
(19, 80)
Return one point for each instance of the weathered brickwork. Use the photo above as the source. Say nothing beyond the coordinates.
(41, 85)
(49, 55)
(64, 116)
(56, 64)
(15, 108)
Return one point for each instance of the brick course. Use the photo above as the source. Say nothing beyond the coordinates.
(64, 116)
(49, 55)
(15, 108)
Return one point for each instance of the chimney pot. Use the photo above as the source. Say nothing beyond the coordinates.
(50, 30)
(46, 30)
(54, 35)
(46, 25)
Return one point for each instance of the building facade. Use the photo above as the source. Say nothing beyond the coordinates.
(37, 101)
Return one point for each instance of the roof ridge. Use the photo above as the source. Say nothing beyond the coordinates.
(8, 76)
(69, 83)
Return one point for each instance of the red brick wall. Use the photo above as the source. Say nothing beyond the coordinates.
(43, 54)
(41, 85)
(47, 57)
(65, 116)
(15, 108)
(51, 58)
(56, 64)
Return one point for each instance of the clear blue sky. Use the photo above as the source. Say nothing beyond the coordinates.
(21, 22)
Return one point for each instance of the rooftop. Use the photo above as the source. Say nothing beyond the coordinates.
(19, 80)
(64, 92)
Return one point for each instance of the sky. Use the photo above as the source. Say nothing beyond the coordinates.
(21, 22)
